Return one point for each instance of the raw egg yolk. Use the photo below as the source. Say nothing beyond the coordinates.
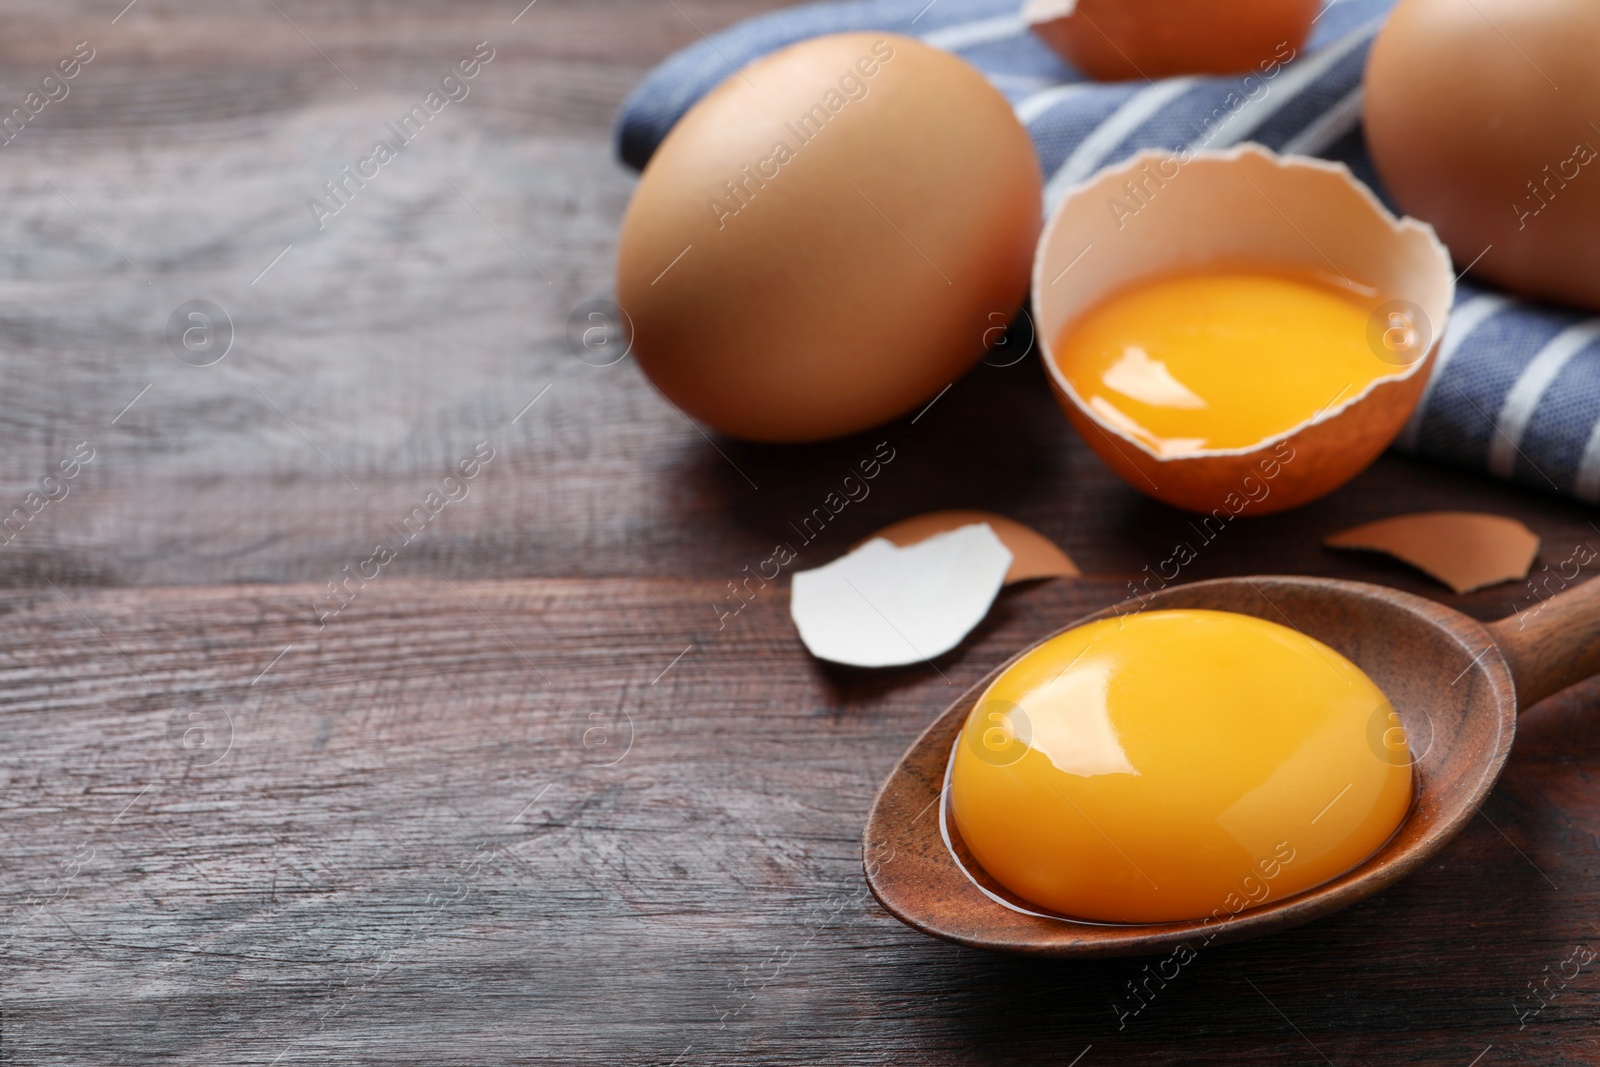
(1220, 359)
(1174, 765)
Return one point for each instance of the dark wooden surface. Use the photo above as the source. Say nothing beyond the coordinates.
(470, 820)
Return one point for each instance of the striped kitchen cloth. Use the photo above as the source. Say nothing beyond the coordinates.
(1516, 390)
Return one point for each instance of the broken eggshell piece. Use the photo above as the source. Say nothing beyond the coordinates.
(1033, 555)
(881, 605)
(1465, 550)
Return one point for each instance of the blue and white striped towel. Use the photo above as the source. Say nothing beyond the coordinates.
(1516, 390)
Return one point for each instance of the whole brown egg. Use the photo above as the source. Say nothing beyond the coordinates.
(1116, 40)
(1481, 119)
(829, 238)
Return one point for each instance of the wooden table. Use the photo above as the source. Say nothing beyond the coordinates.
(523, 798)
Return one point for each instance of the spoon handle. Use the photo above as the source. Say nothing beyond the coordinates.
(1553, 645)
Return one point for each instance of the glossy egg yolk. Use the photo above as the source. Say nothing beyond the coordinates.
(1221, 359)
(1174, 765)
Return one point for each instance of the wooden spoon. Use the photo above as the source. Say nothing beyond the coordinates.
(1456, 684)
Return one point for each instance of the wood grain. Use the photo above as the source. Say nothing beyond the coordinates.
(1555, 644)
(410, 854)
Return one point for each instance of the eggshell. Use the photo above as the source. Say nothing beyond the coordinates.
(1481, 118)
(1465, 550)
(880, 605)
(1113, 40)
(886, 246)
(1033, 555)
(1245, 205)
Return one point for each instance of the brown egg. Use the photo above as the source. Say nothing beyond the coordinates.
(1481, 119)
(829, 238)
(1114, 40)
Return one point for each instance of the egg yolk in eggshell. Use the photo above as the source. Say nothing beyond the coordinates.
(1221, 358)
(1172, 765)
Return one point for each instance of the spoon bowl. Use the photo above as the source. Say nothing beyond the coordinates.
(1454, 682)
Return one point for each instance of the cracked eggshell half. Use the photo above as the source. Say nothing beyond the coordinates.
(881, 605)
(1246, 205)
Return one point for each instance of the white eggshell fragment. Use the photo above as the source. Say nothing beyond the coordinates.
(885, 606)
